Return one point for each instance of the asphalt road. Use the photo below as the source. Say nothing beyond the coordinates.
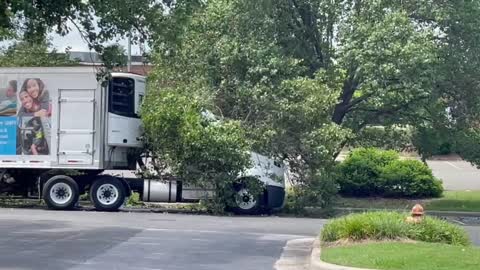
(40, 239)
(456, 175)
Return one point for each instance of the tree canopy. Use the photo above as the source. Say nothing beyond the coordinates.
(98, 21)
(26, 54)
(305, 76)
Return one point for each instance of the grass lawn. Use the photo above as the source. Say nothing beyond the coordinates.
(376, 203)
(468, 201)
(404, 256)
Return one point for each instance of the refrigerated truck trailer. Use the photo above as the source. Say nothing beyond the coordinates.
(62, 128)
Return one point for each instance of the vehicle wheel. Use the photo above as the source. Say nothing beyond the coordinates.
(107, 194)
(60, 192)
(245, 202)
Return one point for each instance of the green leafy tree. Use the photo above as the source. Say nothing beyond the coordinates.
(306, 77)
(114, 56)
(290, 68)
(26, 54)
(98, 21)
(205, 153)
(251, 80)
(390, 137)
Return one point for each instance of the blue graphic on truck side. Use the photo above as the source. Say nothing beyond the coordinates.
(8, 135)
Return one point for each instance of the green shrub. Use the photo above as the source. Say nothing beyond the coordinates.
(360, 171)
(375, 172)
(134, 199)
(319, 192)
(84, 197)
(192, 144)
(374, 225)
(409, 178)
(392, 226)
(431, 141)
(438, 231)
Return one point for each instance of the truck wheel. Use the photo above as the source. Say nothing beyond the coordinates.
(60, 192)
(107, 193)
(245, 202)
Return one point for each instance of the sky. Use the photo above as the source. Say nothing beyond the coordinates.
(76, 43)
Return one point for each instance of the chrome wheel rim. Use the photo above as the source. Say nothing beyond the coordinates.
(61, 193)
(107, 194)
(245, 200)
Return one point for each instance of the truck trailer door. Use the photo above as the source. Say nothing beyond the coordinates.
(76, 128)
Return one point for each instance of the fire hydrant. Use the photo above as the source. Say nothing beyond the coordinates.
(417, 214)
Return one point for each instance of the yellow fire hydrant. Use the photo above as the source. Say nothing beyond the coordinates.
(417, 214)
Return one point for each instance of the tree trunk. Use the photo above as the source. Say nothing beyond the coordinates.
(342, 107)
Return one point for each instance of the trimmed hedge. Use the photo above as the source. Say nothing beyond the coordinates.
(409, 178)
(360, 171)
(392, 226)
(375, 172)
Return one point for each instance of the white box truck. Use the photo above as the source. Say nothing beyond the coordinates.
(61, 129)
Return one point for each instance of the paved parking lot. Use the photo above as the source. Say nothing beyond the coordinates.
(456, 175)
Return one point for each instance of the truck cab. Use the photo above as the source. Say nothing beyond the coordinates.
(125, 94)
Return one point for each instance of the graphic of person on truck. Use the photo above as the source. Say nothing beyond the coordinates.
(36, 89)
(8, 105)
(31, 137)
(29, 106)
(39, 144)
(33, 118)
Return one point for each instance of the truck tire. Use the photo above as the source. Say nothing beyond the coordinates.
(245, 202)
(107, 193)
(60, 193)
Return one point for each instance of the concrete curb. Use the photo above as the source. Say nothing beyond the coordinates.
(317, 264)
(161, 210)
